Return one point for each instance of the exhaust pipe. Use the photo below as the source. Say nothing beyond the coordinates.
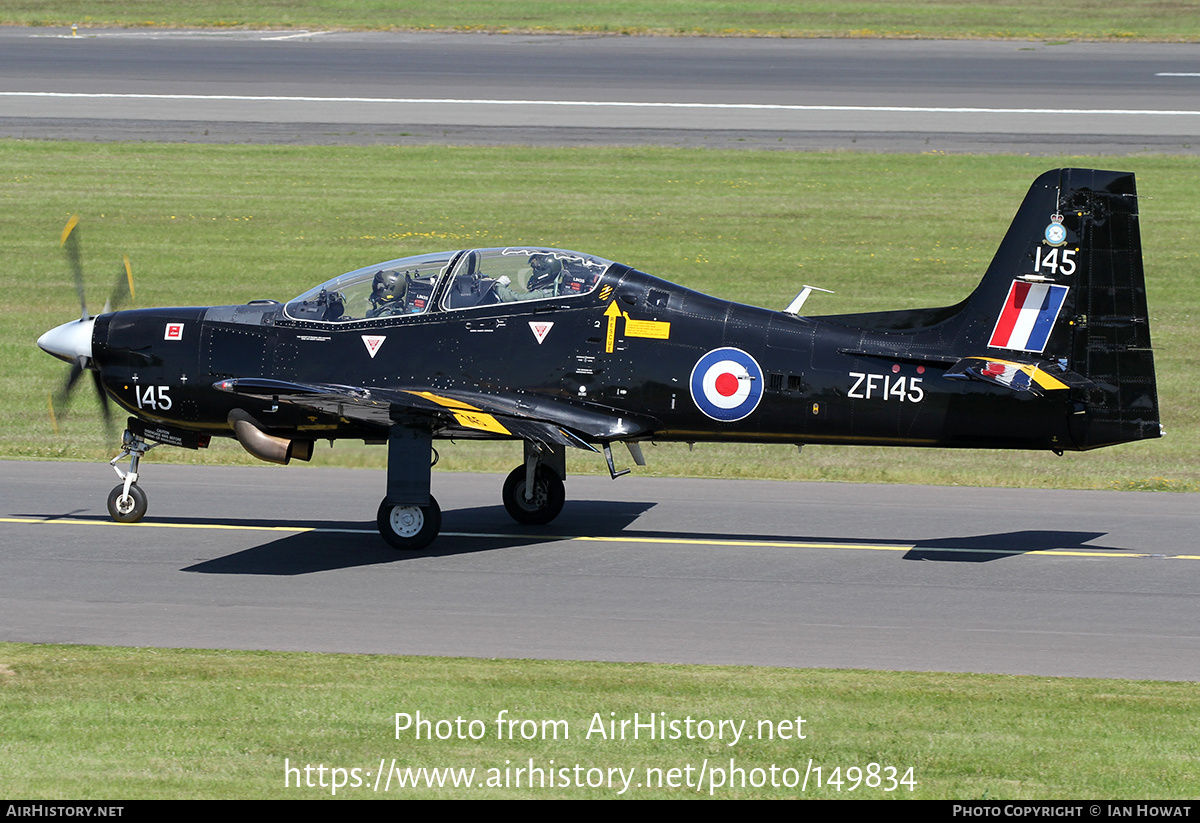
(265, 446)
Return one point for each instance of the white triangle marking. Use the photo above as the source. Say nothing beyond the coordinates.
(373, 342)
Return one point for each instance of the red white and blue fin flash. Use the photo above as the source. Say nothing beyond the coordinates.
(1028, 316)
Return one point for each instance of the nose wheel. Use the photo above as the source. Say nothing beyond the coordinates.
(126, 506)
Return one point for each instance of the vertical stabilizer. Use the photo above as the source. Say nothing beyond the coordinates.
(1066, 293)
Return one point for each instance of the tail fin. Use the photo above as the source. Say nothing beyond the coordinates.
(1065, 297)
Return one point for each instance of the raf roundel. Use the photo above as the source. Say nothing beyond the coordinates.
(727, 384)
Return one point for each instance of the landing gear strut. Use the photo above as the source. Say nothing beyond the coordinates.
(533, 493)
(409, 518)
(127, 502)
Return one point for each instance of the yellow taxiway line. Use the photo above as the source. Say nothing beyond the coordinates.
(681, 541)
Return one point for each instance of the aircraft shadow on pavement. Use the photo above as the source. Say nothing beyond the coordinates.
(336, 544)
(486, 529)
(984, 548)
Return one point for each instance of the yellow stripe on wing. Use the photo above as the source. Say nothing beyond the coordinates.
(468, 416)
(448, 402)
(480, 421)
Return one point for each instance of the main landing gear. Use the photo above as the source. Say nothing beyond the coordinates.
(536, 503)
(407, 526)
(533, 493)
(127, 501)
(409, 517)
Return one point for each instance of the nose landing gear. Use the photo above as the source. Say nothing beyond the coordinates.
(127, 502)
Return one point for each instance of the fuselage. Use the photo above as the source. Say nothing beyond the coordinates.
(634, 345)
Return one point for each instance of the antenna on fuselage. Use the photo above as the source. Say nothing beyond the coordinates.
(794, 306)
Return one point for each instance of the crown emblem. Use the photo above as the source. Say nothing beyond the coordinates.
(1056, 234)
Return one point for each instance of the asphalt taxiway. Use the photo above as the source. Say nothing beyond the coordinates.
(1045, 582)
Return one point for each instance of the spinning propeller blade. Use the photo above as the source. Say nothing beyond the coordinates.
(122, 290)
(72, 341)
(70, 244)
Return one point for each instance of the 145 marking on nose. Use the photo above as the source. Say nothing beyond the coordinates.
(153, 397)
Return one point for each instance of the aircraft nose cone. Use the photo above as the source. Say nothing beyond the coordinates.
(70, 341)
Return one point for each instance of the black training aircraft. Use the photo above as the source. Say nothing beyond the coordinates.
(561, 349)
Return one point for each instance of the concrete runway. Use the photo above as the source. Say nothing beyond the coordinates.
(1094, 584)
(879, 95)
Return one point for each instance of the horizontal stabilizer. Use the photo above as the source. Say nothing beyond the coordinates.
(1037, 378)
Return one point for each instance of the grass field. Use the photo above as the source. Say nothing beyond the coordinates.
(225, 224)
(86, 723)
(1168, 20)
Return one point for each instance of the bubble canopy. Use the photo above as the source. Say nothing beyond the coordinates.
(450, 281)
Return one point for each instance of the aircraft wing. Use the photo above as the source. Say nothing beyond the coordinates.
(467, 413)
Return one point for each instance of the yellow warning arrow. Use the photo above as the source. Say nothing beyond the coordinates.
(612, 313)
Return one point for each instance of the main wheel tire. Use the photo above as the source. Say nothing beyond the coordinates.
(548, 496)
(410, 528)
(127, 508)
